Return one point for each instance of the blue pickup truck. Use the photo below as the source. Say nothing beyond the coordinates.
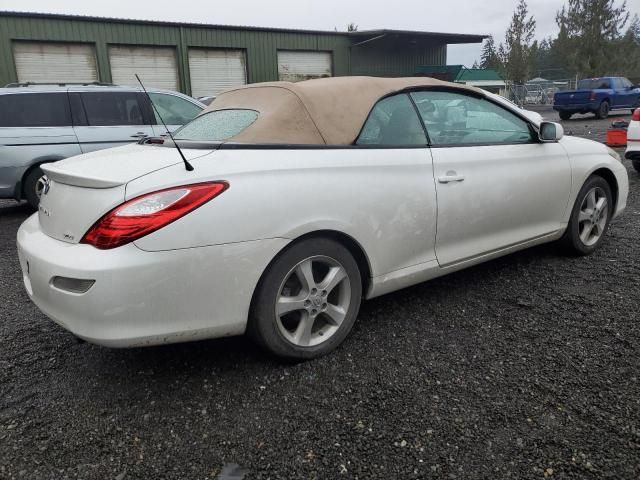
(598, 96)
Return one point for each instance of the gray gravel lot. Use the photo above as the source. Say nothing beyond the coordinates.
(586, 126)
(524, 367)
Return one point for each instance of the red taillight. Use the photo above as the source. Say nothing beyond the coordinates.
(593, 96)
(636, 115)
(145, 214)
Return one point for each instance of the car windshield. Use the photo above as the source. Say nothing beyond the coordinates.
(217, 126)
(593, 84)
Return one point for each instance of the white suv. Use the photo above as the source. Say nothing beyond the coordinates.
(44, 123)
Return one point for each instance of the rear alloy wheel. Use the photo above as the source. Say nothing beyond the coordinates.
(33, 186)
(603, 111)
(308, 300)
(590, 217)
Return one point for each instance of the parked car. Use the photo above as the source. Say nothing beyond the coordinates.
(45, 123)
(295, 201)
(598, 96)
(633, 140)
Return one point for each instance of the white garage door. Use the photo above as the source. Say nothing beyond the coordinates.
(294, 66)
(55, 62)
(156, 66)
(213, 71)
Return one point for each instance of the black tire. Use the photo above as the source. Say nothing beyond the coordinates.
(263, 325)
(29, 186)
(603, 111)
(571, 239)
(636, 165)
(565, 115)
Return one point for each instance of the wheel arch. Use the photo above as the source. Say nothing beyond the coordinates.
(36, 163)
(351, 244)
(610, 178)
(347, 241)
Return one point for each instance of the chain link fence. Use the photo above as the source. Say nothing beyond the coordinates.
(537, 92)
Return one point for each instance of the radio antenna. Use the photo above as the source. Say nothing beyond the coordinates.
(187, 165)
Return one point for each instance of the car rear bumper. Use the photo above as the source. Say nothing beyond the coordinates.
(580, 107)
(143, 298)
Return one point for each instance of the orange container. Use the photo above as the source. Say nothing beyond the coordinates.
(617, 137)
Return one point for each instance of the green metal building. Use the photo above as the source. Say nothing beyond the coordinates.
(200, 59)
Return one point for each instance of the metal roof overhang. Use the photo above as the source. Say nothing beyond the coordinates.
(409, 35)
(366, 36)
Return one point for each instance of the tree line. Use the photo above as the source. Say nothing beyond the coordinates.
(595, 38)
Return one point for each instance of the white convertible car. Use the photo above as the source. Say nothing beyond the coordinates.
(296, 201)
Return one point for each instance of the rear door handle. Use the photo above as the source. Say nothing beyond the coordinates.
(139, 135)
(451, 177)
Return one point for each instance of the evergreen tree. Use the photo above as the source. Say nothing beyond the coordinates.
(516, 53)
(626, 58)
(489, 55)
(588, 30)
(548, 63)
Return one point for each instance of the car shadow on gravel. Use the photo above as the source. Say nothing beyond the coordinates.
(472, 277)
(10, 208)
(240, 353)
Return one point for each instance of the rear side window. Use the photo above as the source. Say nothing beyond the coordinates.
(393, 122)
(174, 110)
(594, 84)
(35, 110)
(104, 109)
(217, 126)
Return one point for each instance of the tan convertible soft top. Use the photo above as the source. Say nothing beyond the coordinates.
(327, 111)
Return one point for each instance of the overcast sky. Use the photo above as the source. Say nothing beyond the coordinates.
(456, 16)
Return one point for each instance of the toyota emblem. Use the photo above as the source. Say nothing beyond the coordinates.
(46, 185)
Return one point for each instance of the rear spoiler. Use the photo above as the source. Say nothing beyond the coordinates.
(58, 175)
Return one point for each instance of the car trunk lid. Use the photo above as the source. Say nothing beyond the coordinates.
(80, 190)
(115, 166)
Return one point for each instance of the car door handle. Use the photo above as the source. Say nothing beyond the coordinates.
(451, 177)
(139, 135)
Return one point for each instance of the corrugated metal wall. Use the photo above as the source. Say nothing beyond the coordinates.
(261, 46)
(388, 58)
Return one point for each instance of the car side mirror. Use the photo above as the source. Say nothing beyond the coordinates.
(550, 132)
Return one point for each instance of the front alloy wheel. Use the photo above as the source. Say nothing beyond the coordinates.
(307, 300)
(593, 216)
(590, 217)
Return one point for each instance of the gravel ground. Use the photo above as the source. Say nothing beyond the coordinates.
(524, 367)
(586, 126)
